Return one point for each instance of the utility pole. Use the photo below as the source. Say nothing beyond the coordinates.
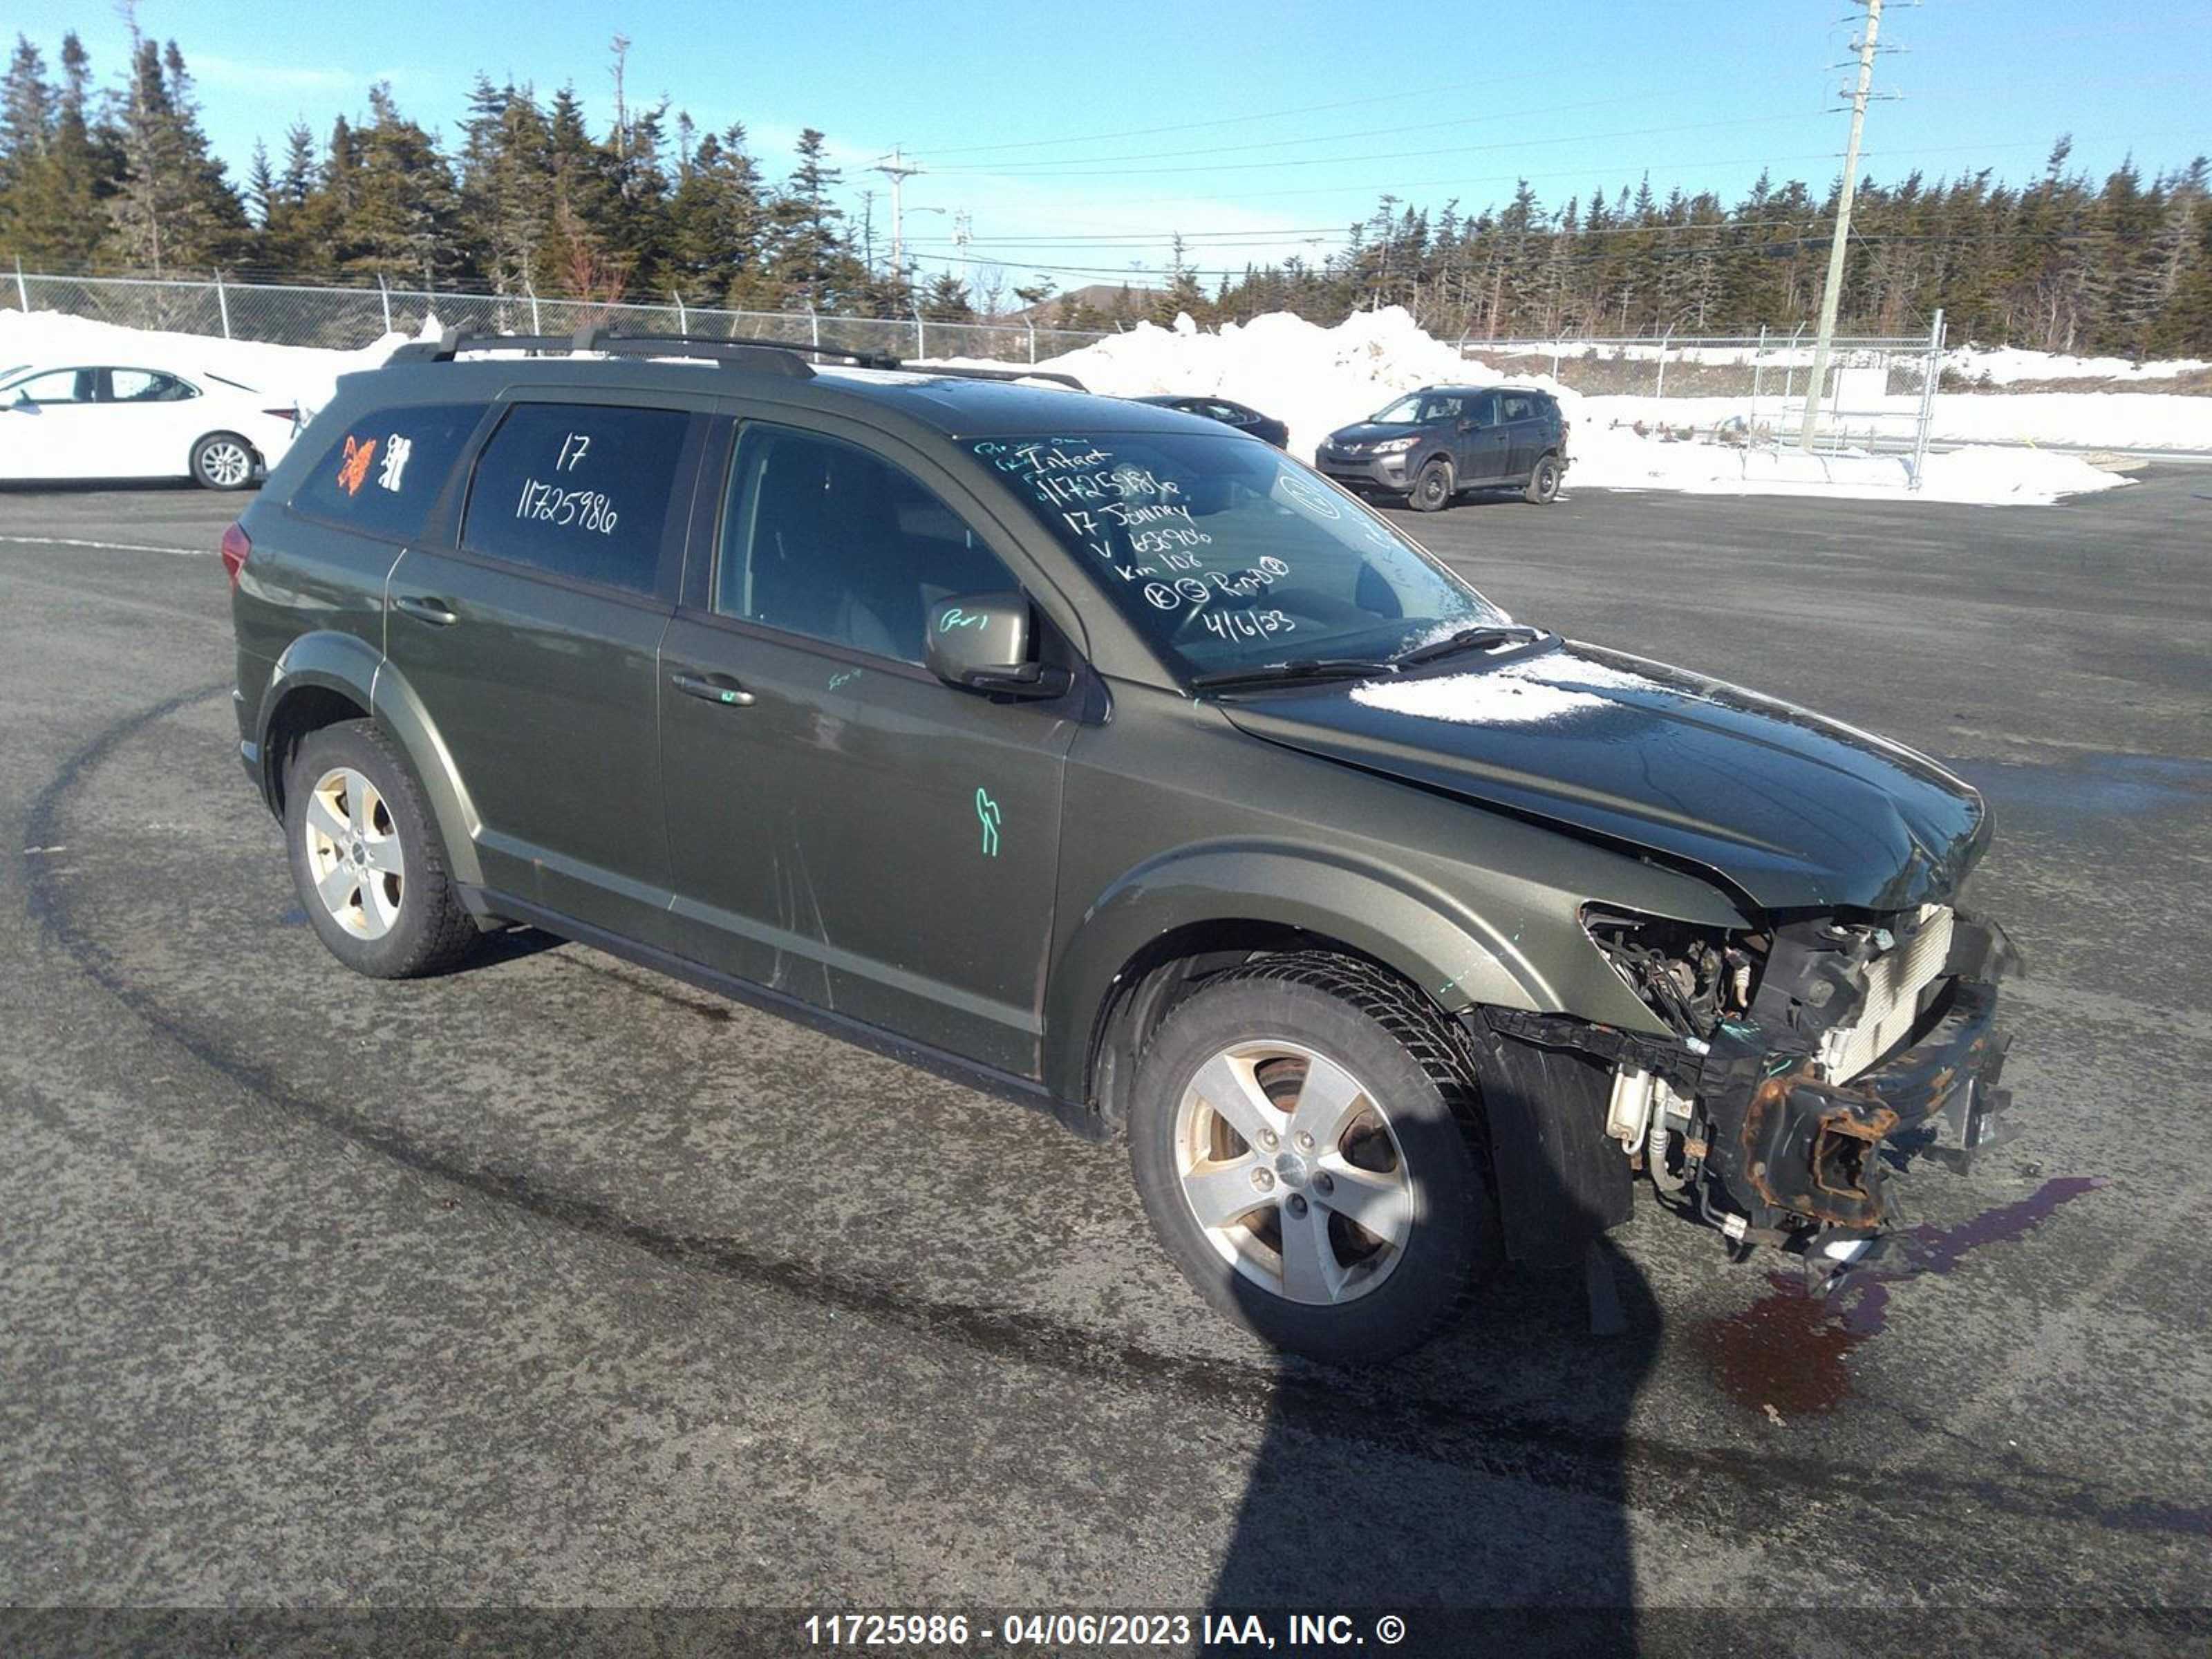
(896, 168)
(964, 230)
(1832, 294)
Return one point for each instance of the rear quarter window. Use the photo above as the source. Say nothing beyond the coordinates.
(581, 490)
(385, 469)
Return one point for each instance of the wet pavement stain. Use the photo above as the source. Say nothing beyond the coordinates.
(2094, 785)
(1785, 1354)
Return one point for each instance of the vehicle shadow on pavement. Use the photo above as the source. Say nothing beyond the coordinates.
(1502, 1528)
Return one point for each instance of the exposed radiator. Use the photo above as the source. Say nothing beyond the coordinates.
(1894, 981)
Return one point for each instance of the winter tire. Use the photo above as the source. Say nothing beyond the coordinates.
(1432, 487)
(1543, 487)
(366, 858)
(1303, 1135)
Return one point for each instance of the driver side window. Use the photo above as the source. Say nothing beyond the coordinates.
(63, 386)
(821, 538)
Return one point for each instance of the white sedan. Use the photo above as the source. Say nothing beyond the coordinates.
(113, 421)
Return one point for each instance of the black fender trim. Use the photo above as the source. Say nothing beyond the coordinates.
(1560, 1181)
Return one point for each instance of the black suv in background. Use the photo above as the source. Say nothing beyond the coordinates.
(1113, 761)
(1442, 441)
(1243, 416)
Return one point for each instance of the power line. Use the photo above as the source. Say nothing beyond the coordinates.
(1013, 168)
(1225, 120)
(1112, 171)
(1397, 186)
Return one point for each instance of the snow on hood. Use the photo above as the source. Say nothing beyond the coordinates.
(1525, 693)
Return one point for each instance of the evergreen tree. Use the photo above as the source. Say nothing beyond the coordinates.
(175, 208)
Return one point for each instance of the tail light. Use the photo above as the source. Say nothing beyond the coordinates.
(291, 414)
(237, 548)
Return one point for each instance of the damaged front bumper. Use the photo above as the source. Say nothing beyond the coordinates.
(1752, 1127)
(1786, 1143)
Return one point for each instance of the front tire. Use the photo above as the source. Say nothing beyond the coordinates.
(223, 460)
(365, 858)
(1432, 487)
(1302, 1133)
(1543, 486)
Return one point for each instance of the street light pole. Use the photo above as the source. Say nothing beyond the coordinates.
(1832, 295)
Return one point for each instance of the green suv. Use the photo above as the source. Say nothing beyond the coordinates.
(1110, 760)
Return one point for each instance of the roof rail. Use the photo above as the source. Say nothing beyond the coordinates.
(779, 357)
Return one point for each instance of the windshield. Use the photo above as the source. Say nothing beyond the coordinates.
(1225, 554)
(1406, 410)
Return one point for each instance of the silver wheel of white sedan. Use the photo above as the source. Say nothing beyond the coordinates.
(222, 462)
(353, 855)
(1293, 1171)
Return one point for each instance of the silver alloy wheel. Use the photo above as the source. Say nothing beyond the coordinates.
(1293, 1172)
(226, 464)
(353, 853)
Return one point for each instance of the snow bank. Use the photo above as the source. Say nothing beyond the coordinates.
(1312, 378)
(2003, 365)
(1317, 378)
(1615, 458)
(305, 375)
(1997, 365)
(2097, 420)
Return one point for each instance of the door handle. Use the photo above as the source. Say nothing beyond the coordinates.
(712, 688)
(423, 608)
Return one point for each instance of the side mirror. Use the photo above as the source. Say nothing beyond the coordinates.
(980, 642)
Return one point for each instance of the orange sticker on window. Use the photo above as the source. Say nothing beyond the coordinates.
(353, 471)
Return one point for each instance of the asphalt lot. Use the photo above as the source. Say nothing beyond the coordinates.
(554, 1283)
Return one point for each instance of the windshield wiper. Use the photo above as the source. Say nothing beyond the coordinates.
(1467, 639)
(1298, 668)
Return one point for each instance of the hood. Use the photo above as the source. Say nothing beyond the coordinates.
(1366, 432)
(1794, 811)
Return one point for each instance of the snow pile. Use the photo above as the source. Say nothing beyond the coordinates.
(1615, 458)
(2004, 365)
(1317, 378)
(303, 375)
(2084, 419)
(1312, 378)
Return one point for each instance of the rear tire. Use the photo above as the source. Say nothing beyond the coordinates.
(223, 460)
(1543, 486)
(365, 858)
(1372, 1112)
(1432, 487)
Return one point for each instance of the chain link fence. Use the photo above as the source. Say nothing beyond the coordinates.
(1878, 392)
(347, 317)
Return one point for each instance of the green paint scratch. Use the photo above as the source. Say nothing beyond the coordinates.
(987, 810)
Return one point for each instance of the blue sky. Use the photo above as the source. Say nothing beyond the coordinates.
(1078, 140)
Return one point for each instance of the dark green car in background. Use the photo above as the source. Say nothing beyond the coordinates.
(1107, 758)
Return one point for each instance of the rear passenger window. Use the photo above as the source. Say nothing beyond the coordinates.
(387, 468)
(578, 489)
(822, 538)
(1517, 409)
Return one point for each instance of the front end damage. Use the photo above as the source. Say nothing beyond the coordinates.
(1809, 1063)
